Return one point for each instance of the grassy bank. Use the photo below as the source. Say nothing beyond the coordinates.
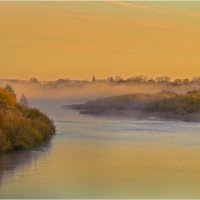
(21, 127)
(167, 105)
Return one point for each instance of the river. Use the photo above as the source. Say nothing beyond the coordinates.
(99, 157)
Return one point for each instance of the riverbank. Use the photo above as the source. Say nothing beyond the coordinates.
(164, 105)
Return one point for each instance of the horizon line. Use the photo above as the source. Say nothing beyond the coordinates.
(100, 79)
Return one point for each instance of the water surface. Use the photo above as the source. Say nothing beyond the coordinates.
(98, 157)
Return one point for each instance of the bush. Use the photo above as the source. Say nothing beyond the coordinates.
(21, 127)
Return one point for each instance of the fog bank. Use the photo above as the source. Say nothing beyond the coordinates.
(82, 92)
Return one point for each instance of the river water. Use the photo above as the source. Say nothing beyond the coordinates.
(99, 157)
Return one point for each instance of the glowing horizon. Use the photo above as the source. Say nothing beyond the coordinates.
(51, 40)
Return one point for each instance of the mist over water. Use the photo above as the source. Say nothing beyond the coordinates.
(81, 92)
(100, 157)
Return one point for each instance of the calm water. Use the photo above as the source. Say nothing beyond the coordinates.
(92, 157)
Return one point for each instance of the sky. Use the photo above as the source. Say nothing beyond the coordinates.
(51, 40)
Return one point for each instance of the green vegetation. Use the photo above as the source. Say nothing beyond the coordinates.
(21, 127)
(179, 104)
(163, 105)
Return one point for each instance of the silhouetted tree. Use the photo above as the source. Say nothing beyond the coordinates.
(139, 79)
(61, 81)
(178, 82)
(118, 79)
(34, 80)
(196, 79)
(23, 101)
(186, 81)
(110, 79)
(151, 81)
(93, 79)
(163, 79)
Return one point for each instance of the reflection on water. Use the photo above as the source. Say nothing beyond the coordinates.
(13, 160)
(94, 157)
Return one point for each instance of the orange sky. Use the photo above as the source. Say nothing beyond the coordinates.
(51, 40)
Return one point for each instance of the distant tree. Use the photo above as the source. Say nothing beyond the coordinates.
(34, 80)
(186, 81)
(139, 79)
(110, 79)
(23, 101)
(151, 81)
(196, 79)
(163, 79)
(178, 82)
(118, 79)
(93, 79)
(142, 77)
(62, 81)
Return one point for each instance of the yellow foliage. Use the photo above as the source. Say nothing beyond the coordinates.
(20, 127)
(7, 99)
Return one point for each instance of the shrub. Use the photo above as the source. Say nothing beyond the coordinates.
(21, 127)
